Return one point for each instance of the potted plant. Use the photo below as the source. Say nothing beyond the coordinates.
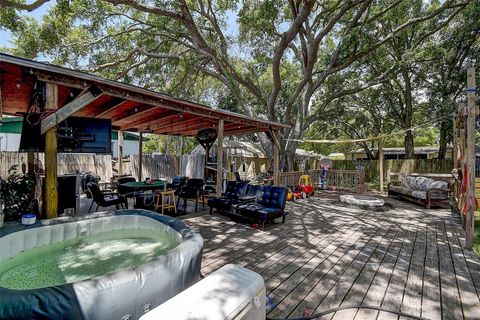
(17, 195)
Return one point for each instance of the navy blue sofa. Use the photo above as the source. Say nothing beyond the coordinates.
(269, 205)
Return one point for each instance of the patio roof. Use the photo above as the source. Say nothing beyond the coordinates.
(129, 107)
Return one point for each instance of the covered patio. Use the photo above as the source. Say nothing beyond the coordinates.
(130, 108)
(408, 259)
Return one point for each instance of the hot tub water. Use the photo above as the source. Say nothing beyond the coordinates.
(83, 258)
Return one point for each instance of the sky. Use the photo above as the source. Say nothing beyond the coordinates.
(231, 30)
(6, 37)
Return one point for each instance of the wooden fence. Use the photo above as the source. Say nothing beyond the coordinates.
(345, 176)
(340, 179)
(101, 165)
(405, 166)
(166, 166)
(155, 166)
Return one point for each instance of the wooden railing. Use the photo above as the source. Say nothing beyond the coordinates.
(351, 180)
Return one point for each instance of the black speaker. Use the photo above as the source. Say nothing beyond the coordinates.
(68, 193)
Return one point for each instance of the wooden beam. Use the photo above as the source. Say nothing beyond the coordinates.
(185, 120)
(63, 113)
(380, 157)
(461, 134)
(455, 145)
(51, 192)
(140, 156)
(219, 158)
(276, 158)
(31, 162)
(155, 99)
(192, 132)
(158, 122)
(191, 124)
(140, 117)
(186, 129)
(131, 113)
(109, 107)
(61, 80)
(120, 151)
(470, 159)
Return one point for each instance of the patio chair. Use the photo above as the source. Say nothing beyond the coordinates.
(125, 192)
(192, 190)
(105, 199)
(85, 179)
(177, 183)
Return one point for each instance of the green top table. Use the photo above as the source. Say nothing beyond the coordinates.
(144, 186)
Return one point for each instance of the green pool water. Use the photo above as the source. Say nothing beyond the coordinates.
(83, 258)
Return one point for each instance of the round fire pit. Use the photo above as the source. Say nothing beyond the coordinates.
(358, 200)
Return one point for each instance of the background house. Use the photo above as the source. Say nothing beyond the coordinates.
(399, 153)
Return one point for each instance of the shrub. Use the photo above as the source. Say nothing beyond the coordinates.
(17, 195)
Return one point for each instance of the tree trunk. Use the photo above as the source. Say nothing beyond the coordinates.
(368, 152)
(266, 143)
(409, 140)
(443, 141)
(409, 145)
(290, 158)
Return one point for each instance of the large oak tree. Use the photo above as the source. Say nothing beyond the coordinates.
(287, 61)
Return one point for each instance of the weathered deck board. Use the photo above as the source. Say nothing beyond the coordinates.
(451, 304)
(338, 292)
(408, 259)
(412, 301)
(468, 294)
(394, 294)
(378, 287)
(431, 305)
(363, 281)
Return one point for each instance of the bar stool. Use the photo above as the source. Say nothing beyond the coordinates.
(166, 200)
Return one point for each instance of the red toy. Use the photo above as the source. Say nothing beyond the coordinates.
(303, 190)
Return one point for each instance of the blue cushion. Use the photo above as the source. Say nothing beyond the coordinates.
(219, 202)
(278, 197)
(241, 189)
(261, 191)
(252, 189)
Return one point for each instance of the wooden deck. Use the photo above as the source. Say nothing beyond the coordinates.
(408, 259)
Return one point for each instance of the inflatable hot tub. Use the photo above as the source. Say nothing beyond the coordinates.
(113, 265)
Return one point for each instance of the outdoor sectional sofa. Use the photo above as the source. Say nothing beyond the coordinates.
(256, 203)
(421, 190)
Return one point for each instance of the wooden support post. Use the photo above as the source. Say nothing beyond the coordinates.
(462, 107)
(120, 151)
(30, 162)
(219, 158)
(380, 157)
(140, 156)
(455, 145)
(276, 158)
(51, 193)
(470, 158)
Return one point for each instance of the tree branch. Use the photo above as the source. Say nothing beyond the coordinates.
(287, 37)
(22, 6)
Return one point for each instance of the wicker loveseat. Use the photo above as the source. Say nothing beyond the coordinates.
(421, 190)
